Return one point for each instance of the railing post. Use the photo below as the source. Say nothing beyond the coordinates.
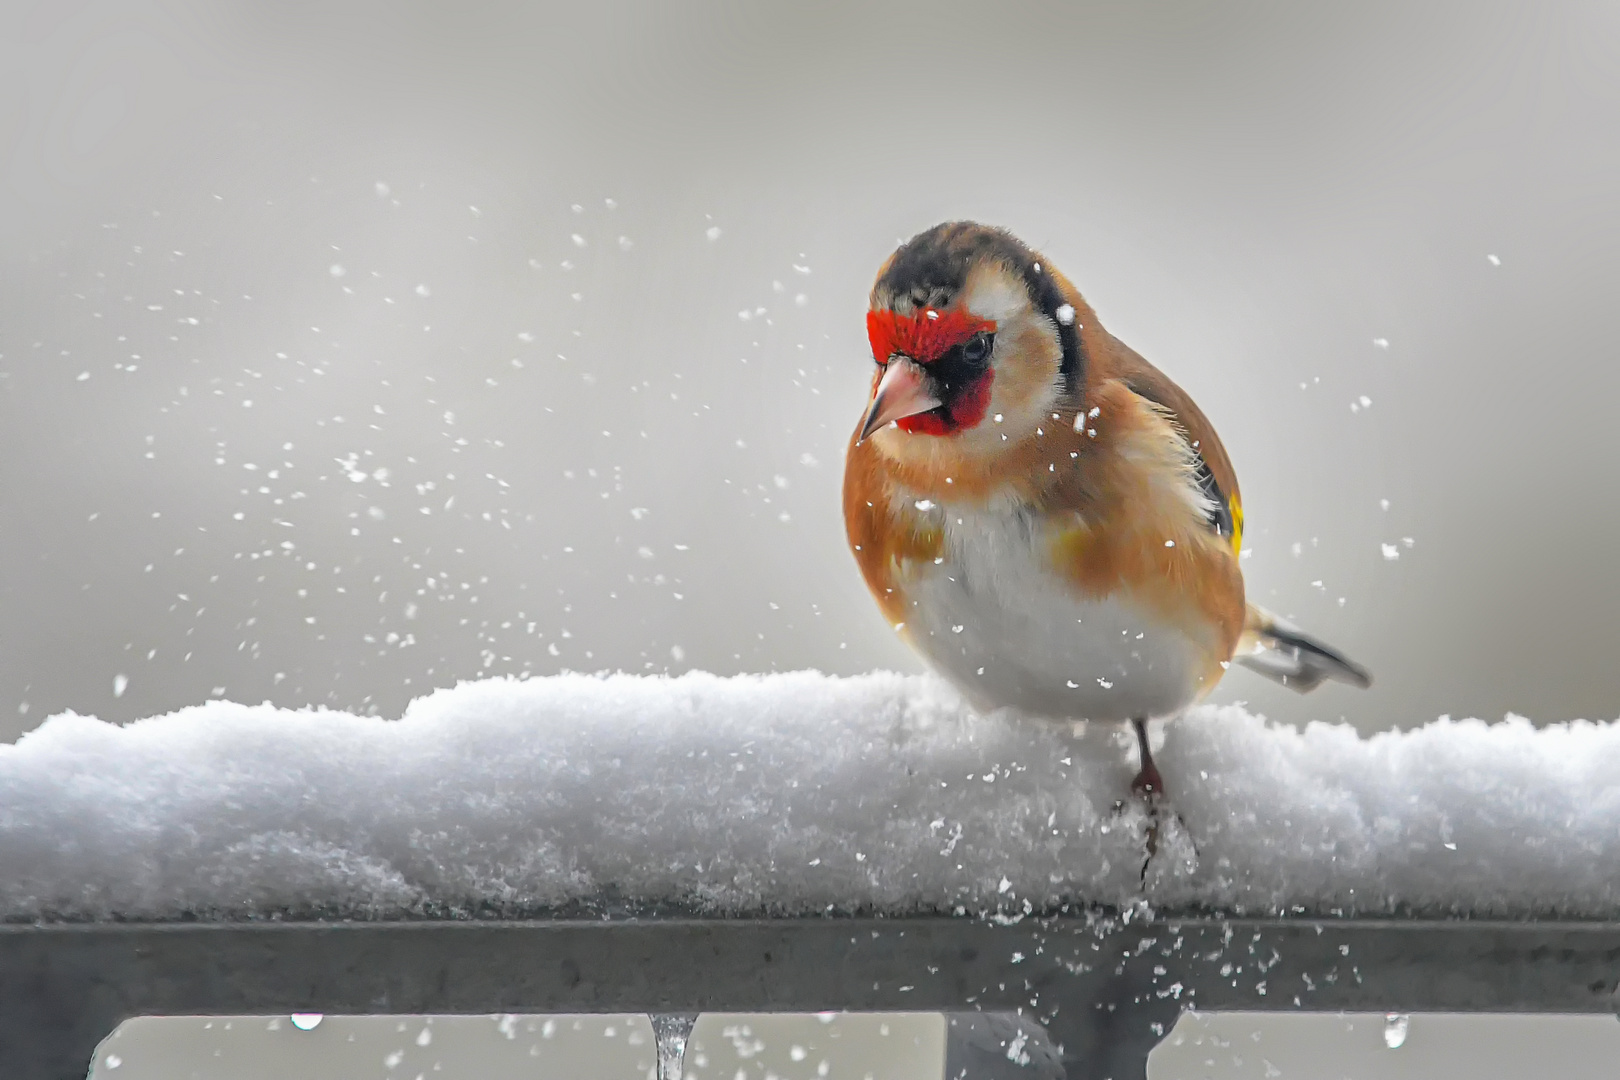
(1110, 1038)
(998, 1046)
(54, 1011)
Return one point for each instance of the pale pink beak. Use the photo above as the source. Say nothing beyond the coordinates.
(902, 392)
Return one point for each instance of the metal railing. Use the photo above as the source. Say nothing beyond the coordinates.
(1105, 987)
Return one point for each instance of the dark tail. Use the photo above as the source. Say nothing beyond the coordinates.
(1284, 653)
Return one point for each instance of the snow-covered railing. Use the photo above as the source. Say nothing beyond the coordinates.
(791, 843)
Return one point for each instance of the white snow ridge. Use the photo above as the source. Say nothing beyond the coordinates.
(788, 794)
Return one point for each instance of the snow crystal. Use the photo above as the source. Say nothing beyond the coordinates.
(789, 794)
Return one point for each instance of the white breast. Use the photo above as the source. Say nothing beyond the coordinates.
(995, 619)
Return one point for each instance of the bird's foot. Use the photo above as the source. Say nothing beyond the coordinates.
(1162, 819)
(1148, 785)
(1157, 826)
(1167, 831)
(1150, 839)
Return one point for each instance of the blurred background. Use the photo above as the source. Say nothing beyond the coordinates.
(848, 1046)
(349, 350)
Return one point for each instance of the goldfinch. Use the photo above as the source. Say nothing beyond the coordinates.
(1040, 512)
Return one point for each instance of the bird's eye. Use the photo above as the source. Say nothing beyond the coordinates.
(977, 347)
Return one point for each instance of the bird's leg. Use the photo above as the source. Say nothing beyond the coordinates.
(1148, 783)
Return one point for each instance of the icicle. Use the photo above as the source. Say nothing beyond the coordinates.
(671, 1032)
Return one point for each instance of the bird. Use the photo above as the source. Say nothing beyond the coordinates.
(1043, 515)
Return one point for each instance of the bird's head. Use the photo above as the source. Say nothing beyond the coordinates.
(975, 339)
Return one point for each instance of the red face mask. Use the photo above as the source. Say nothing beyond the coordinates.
(924, 337)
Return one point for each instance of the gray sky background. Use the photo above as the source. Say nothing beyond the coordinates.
(268, 272)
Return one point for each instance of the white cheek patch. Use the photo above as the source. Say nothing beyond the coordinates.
(1025, 392)
(990, 292)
